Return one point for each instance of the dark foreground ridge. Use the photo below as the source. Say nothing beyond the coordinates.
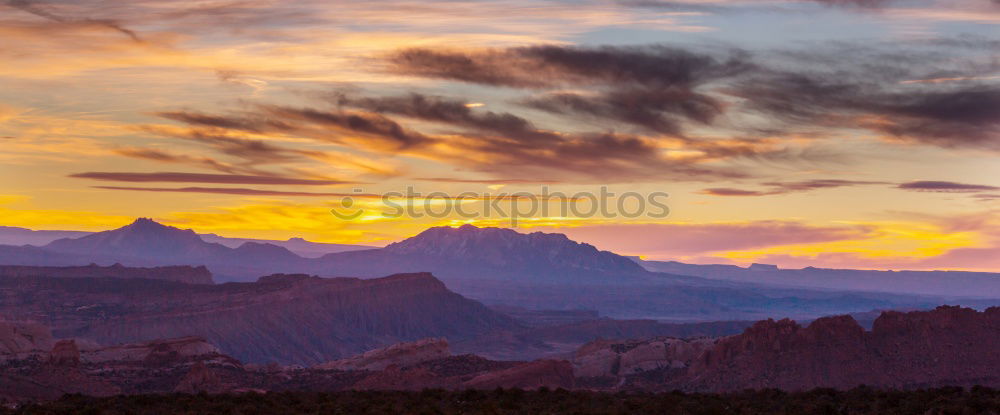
(862, 400)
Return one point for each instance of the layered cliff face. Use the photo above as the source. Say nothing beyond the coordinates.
(620, 359)
(19, 339)
(284, 318)
(946, 346)
(160, 352)
(185, 274)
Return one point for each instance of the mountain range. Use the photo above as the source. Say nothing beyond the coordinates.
(596, 319)
(16, 236)
(502, 267)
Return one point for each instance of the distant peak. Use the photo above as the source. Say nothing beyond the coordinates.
(466, 229)
(508, 249)
(146, 223)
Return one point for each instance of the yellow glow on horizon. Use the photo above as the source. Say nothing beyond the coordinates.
(891, 240)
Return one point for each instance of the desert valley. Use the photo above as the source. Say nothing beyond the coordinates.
(463, 308)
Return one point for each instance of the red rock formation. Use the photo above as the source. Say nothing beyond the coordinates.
(532, 375)
(65, 353)
(19, 339)
(946, 346)
(165, 352)
(154, 353)
(62, 373)
(400, 354)
(617, 358)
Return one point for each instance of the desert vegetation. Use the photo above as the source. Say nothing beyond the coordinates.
(860, 400)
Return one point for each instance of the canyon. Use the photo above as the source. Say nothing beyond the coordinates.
(945, 346)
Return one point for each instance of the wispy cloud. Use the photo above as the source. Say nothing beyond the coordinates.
(945, 187)
(41, 11)
(177, 177)
(779, 188)
(228, 191)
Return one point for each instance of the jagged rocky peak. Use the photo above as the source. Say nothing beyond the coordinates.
(506, 247)
(150, 227)
(146, 224)
(444, 239)
(943, 319)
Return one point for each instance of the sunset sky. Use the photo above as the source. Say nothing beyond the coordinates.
(829, 133)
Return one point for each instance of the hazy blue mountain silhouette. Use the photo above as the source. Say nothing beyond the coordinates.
(497, 266)
(143, 239)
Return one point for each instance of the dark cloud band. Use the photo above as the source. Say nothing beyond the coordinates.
(175, 177)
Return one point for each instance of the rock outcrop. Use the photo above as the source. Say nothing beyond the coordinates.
(19, 339)
(65, 353)
(398, 355)
(62, 373)
(153, 353)
(618, 359)
(945, 346)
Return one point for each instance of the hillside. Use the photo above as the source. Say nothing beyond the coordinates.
(283, 318)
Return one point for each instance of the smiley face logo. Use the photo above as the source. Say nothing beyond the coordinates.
(347, 211)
